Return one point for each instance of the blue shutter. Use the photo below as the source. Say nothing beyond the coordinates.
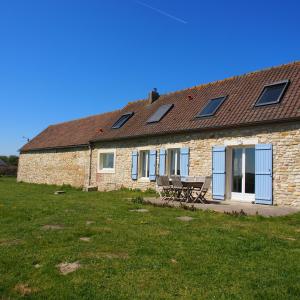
(184, 161)
(218, 172)
(134, 165)
(162, 162)
(152, 165)
(263, 174)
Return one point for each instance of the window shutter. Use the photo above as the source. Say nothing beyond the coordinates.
(184, 161)
(162, 162)
(152, 165)
(218, 172)
(263, 174)
(134, 165)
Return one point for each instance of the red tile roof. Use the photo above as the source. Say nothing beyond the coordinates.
(237, 110)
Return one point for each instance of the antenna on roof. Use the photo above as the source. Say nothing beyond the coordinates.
(26, 138)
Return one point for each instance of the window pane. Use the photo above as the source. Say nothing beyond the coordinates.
(107, 160)
(250, 170)
(122, 120)
(237, 170)
(211, 107)
(172, 162)
(144, 163)
(178, 162)
(271, 93)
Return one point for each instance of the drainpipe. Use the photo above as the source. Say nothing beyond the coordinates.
(90, 163)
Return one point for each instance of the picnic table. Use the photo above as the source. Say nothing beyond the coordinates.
(191, 187)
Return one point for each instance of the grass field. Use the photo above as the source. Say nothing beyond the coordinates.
(135, 255)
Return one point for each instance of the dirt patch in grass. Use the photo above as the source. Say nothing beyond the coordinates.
(89, 223)
(10, 242)
(185, 218)
(85, 239)
(66, 268)
(53, 227)
(24, 289)
(288, 238)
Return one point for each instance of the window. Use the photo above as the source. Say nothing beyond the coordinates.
(174, 162)
(144, 164)
(160, 113)
(272, 94)
(122, 120)
(211, 107)
(106, 161)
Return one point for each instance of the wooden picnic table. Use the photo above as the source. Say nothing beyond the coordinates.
(191, 187)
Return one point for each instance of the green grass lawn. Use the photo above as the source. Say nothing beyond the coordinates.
(134, 255)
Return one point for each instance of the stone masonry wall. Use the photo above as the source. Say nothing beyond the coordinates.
(71, 166)
(286, 157)
(68, 166)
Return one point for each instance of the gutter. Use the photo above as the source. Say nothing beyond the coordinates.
(54, 147)
(90, 164)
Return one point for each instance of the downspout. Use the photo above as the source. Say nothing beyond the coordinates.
(90, 164)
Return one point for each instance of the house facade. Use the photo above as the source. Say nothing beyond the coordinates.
(243, 131)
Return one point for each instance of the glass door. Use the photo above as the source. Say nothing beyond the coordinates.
(243, 174)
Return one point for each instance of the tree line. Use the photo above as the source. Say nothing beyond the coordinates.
(11, 160)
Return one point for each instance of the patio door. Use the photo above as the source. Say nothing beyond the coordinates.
(243, 174)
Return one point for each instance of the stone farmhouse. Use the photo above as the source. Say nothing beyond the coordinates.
(243, 131)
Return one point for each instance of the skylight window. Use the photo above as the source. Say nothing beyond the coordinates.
(122, 120)
(211, 107)
(160, 113)
(272, 93)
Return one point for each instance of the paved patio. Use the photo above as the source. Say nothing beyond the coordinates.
(231, 207)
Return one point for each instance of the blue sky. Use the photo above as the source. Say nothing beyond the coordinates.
(66, 59)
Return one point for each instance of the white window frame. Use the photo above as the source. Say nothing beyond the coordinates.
(169, 160)
(140, 166)
(106, 170)
(235, 196)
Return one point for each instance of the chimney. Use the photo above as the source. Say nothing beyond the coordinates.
(153, 96)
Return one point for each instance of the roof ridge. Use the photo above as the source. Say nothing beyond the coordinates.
(218, 81)
(232, 77)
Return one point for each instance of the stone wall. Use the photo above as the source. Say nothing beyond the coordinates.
(286, 157)
(71, 166)
(68, 166)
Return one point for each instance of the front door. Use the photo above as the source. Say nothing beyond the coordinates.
(243, 174)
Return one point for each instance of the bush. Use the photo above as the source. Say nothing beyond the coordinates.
(8, 171)
(137, 200)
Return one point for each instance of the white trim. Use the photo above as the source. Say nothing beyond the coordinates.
(141, 165)
(243, 197)
(168, 159)
(106, 170)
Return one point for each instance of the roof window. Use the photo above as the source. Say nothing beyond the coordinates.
(211, 107)
(122, 120)
(272, 93)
